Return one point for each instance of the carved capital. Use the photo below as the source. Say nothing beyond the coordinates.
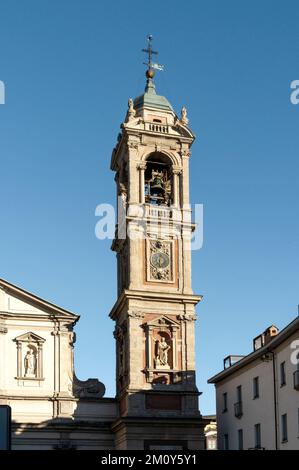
(3, 329)
(185, 153)
(187, 317)
(177, 170)
(133, 144)
(135, 314)
(141, 166)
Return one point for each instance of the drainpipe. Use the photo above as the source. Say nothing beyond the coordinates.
(275, 398)
(266, 358)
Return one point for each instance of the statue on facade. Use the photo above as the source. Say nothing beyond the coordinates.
(131, 111)
(162, 353)
(123, 193)
(30, 363)
(184, 119)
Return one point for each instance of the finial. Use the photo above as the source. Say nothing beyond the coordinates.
(131, 111)
(151, 66)
(184, 120)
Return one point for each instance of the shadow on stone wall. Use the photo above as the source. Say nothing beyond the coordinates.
(81, 421)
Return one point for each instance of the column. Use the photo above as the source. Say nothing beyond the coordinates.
(141, 167)
(40, 361)
(174, 348)
(176, 171)
(19, 359)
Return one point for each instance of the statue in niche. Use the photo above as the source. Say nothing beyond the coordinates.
(162, 353)
(30, 364)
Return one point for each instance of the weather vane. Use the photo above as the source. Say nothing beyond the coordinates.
(149, 51)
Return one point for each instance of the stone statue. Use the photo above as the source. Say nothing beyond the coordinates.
(131, 111)
(184, 119)
(123, 195)
(157, 362)
(30, 363)
(162, 356)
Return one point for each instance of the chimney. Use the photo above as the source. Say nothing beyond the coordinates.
(270, 333)
(265, 337)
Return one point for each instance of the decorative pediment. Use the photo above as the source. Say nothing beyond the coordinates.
(162, 321)
(21, 303)
(29, 338)
(182, 130)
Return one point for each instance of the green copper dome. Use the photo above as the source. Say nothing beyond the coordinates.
(150, 99)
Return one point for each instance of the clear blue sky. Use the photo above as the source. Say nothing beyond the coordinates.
(69, 68)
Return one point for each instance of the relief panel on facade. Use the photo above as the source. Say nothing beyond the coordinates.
(120, 334)
(160, 260)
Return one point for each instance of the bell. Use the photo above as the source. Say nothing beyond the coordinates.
(156, 185)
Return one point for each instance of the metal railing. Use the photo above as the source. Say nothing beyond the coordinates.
(238, 409)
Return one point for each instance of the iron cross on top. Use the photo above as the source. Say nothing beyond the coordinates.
(150, 64)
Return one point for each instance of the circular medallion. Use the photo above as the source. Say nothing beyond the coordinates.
(160, 260)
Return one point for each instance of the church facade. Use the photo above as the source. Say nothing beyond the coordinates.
(156, 403)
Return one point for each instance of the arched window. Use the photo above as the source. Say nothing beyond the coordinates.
(158, 180)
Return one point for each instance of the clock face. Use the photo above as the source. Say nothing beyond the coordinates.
(160, 260)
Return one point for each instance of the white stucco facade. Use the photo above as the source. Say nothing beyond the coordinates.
(51, 408)
(271, 419)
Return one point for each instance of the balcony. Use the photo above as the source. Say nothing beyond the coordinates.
(238, 409)
(156, 127)
(158, 212)
(164, 213)
(296, 380)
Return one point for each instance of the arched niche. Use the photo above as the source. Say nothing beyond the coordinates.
(158, 179)
(29, 356)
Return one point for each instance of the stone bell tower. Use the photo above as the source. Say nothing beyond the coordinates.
(155, 310)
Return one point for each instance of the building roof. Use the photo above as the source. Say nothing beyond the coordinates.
(37, 301)
(290, 329)
(150, 99)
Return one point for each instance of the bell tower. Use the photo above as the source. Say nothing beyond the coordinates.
(155, 311)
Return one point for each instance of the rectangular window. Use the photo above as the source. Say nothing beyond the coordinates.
(284, 428)
(224, 397)
(257, 436)
(225, 442)
(240, 439)
(256, 387)
(282, 374)
(239, 393)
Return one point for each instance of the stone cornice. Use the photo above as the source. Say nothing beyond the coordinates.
(137, 132)
(46, 317)
(169, 297)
